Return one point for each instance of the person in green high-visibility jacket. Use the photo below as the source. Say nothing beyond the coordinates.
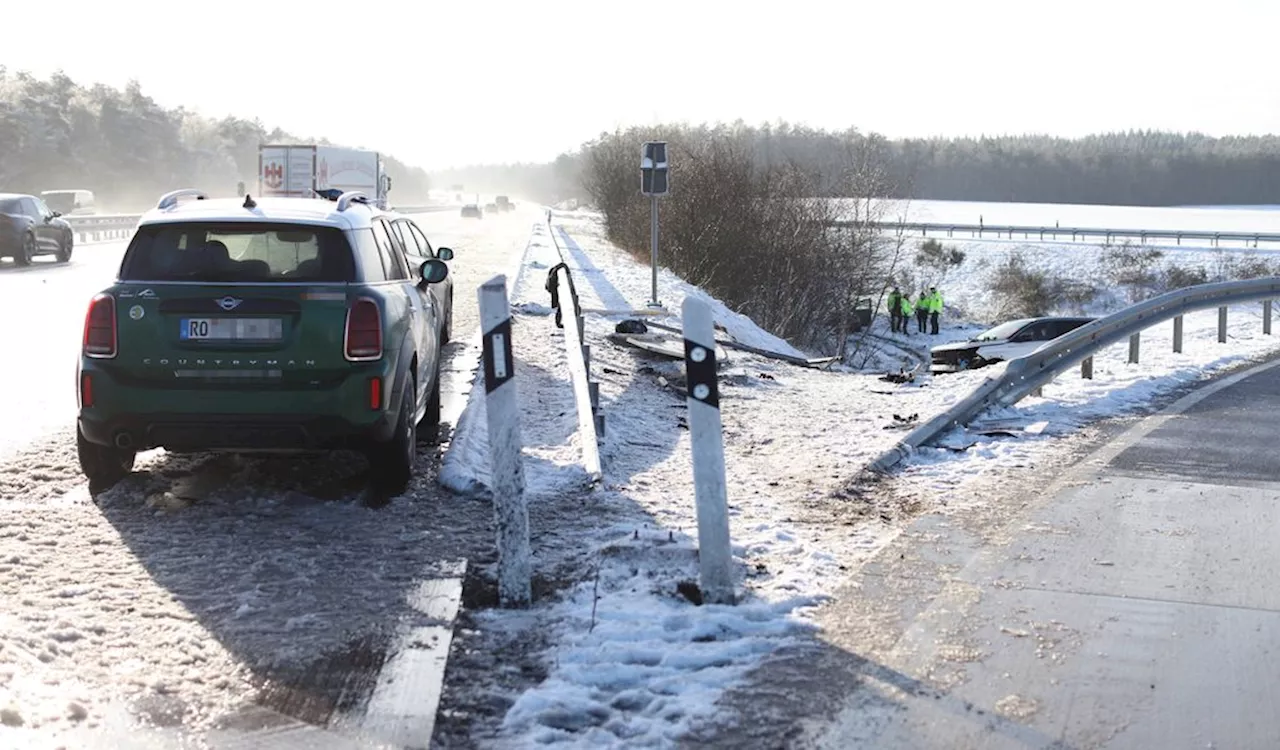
(905, 309)
(935, 308)
(895, 309)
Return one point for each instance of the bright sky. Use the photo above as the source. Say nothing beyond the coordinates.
(440, 84)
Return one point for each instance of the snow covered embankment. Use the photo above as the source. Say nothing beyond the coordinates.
(631, 660)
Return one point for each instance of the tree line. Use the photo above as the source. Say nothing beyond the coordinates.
(1131, 168)
(121, 144)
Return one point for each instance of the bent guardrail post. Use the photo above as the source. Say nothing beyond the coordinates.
(715, 555)
(1177, 334)
(515, 568)
(1222, 325)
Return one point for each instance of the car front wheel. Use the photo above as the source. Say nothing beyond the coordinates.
(429, 427)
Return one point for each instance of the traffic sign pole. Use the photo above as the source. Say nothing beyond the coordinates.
(653, 183)
(653, 246)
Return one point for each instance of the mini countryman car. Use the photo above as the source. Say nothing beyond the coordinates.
(278, 325)
(1011, 340)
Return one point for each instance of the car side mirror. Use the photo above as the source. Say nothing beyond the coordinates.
(55, 214)
(433, 271)
(444, 253)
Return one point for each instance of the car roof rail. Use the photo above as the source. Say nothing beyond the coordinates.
(169, 200)
(352, 196)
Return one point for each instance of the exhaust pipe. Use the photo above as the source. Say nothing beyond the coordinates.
(124, 441)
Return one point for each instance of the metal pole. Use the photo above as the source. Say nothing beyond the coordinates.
(515, 568)
(715, 556)
(1266, 317)
(1177, 335)
(653, 247)
(1134, 343)
(1222, 325)
(1086, 368)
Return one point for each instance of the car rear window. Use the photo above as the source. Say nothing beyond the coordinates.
(230, 252)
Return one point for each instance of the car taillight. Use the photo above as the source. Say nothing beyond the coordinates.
(86, 390)
(364, 331)
(100, 328)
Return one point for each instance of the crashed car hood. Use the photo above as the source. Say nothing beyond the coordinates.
(957, 346)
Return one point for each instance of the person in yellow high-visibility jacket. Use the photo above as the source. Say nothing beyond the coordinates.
(922, 312)
(935, 308)
(906, 309)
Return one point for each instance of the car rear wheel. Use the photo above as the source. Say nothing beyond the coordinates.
(104, 465)
(27, 251)
(392, 462)
(64, 248)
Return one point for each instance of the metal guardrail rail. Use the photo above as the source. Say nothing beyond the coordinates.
(1024, 375)
(586, 393)
(1076, 234)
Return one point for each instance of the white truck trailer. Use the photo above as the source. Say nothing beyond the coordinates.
(299, 171)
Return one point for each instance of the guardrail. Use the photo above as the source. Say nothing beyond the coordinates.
(1025, 375)
(586, 392)
(99, 227)
(1054, 233)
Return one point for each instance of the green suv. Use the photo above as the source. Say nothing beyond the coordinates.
(279, 325)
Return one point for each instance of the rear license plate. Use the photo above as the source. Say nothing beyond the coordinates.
(231, 329)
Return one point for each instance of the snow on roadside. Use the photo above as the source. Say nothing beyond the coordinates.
(635, 661)
(551, 456)
(631, 660)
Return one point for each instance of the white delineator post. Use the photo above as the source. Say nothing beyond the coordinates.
(507, 472)
(715, 556)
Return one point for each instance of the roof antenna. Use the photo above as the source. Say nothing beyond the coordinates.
(249, 201)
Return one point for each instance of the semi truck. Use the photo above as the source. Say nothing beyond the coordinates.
(300, 171)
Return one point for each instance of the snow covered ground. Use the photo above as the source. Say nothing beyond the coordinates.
(1222, 218)
(199, 581)
(624, 658)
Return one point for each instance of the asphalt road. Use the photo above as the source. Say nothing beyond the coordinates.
(1134, 604)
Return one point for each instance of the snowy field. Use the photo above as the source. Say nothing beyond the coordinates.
(175, 598)
(625, 658)
(1220, 218)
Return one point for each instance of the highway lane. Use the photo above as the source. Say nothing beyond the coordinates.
(1130, 604)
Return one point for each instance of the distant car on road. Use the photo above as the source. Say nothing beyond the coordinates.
(283, 325)
(1011, 340)
(491, 208)
(472, 211)
(70, 202)
(29, 228)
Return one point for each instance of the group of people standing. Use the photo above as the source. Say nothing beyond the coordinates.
(926, 309)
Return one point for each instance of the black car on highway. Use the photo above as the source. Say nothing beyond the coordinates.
(29, 228)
